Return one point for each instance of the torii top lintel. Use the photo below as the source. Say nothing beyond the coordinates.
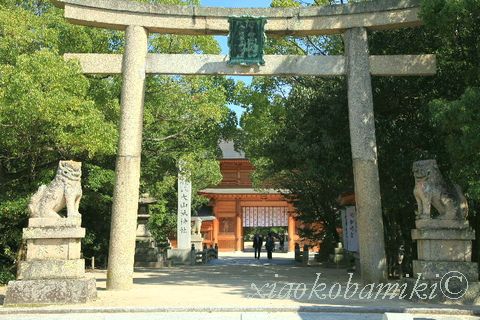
(193, 20)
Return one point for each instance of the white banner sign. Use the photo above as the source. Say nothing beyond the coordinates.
(265, 216)
(350, 231)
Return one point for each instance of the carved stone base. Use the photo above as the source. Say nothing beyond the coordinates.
(147, 256)
(444, 271)
(444, 244)
(179, 256)
(53, 272)
(55, 222)
(52, 291)
(197, 241)
(51, 269)
(57, 232)
(441, 224)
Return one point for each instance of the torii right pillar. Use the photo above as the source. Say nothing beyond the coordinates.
(364, 155)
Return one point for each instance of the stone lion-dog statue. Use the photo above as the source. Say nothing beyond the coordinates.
(197, 225)
(432, 190)
(64, 191)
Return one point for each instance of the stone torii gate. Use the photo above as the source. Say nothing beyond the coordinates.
(352, 20)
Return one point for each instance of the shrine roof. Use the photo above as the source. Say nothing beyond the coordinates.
(229, 152)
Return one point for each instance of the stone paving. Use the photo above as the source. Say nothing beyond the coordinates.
(227, 283)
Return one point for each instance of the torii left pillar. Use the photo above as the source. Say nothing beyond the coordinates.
(126, 193)
(364, 156)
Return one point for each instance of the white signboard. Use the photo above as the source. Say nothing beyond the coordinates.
(184, 226)
(265, 216)
(350, 230)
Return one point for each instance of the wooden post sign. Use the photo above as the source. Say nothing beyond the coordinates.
(246, 40)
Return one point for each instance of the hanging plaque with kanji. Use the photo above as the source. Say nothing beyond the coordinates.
(246, 40)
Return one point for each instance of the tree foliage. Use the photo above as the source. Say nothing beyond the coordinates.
(50, 111)
(47, 110)
(456, 25)
(296, 131)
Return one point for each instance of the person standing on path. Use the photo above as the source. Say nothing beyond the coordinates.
(257, 245)
(269, 245)
(282, 242)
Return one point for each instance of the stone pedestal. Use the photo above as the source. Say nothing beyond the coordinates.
(179, 256)
(147, 254)
(197, 241)
(444, 252)
(53, 271)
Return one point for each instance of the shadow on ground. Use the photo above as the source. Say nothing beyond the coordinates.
(242, 282)
(246, 281)
(277, 281)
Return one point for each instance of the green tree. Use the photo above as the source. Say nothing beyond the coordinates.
(456, 26)
(308, 153)
(295, 130)
(407, 129)
(49, 111)
(184, 119)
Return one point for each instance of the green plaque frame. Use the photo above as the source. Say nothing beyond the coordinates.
(246, 40)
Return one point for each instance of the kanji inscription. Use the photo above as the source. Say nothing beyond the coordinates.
(246, 40)
(184, 209)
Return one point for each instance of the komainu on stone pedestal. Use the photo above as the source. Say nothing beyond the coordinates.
(444, 242)
(53, 271)
(197, 225)
(197, 239)
(64, 191)
(432, 190)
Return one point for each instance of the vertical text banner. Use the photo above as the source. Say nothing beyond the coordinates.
(246, 40)
(184, 227)
(350, 229)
